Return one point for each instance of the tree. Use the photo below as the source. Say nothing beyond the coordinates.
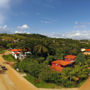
(48, 76)
(66, 77)
(80, 59)
(30, 66)
(60, 53)
(41, 50)
(49, 59)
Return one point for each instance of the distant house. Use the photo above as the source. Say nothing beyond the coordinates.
(16, 50)
(20, 53)
(87, 52)
(70, 58)
(16, 55)
(58, 65)
(83, 49)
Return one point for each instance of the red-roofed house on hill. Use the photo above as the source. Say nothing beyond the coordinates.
(20, 53)
(16, 50)
(87, 52)
(70, 58)
(58, 65)
(16, 53)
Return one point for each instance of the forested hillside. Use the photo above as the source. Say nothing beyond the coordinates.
(45, 50)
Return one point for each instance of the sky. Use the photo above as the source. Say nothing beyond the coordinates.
(54, 18)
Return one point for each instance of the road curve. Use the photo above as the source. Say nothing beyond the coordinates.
(86, 85)
(12, 80)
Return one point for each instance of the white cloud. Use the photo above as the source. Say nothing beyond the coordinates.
(23, 29)
(22, 32)
(79, 27)
(85, 34)
(25, 26)
(4, 29)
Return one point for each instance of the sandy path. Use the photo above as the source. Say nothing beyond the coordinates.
(12, 80)
(2, 85)
(86, 85)
(7, 83)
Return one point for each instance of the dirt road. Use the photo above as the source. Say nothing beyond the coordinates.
(12, 80)
(86, 85)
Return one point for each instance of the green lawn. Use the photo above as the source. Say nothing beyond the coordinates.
(2, 51)
(41, 84)
(9, 58)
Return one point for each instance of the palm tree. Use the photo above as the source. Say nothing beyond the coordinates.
(40, 50)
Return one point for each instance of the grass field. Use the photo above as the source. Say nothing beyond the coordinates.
(40, 84)
(2, 51)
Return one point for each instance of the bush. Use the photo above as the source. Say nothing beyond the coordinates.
(9, 58)
(2, 51)
(80, 59)
(40, 84)
(30, 66)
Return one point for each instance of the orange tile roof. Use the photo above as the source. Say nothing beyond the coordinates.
(57, 68)
(61, 62)
(87, 49)
(16, 50)
(70, 56)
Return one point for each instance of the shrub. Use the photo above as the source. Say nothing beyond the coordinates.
(9, 58)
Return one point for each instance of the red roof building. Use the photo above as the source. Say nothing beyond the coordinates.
(87, 50)
(59, 64)
(70, 58)
(16, 50)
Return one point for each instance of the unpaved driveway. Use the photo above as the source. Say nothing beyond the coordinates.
(12, 80)
(86, 85)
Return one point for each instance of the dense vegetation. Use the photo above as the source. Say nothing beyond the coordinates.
(9, 58)
(44, 50)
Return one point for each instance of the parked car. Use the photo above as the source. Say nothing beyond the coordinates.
(3, 67)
